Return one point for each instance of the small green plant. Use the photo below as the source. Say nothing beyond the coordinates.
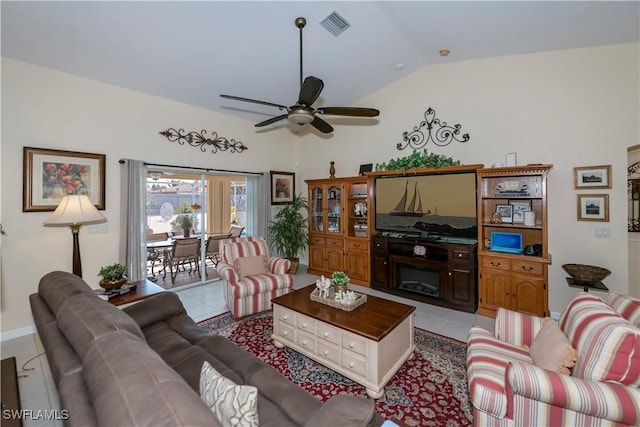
(113, 272)
(417, 160)
(184, 218)
(340, 278)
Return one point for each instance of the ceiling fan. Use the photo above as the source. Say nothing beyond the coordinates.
(302, 112)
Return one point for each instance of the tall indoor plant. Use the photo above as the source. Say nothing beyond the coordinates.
(288, 231)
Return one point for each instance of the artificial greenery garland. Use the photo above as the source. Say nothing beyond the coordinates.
(417, 160)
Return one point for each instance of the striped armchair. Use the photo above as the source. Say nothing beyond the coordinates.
(251, 278)
(507, 389)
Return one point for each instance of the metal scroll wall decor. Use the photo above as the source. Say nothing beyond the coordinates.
(437, 132)
(198, 139)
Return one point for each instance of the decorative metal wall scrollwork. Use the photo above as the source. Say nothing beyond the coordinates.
(195, 139)
(439, 133)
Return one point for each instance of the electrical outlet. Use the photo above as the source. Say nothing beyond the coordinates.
(97, 228)
(603, 232)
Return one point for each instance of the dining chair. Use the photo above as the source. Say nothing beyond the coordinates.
(184, 251)
(236, 231)
(153, 253)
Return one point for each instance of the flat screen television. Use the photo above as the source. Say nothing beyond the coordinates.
(436, 207)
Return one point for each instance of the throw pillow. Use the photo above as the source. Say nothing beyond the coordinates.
(251, 265)
(233, 405)
(551, 350)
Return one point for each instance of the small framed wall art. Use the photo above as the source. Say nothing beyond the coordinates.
(283, 187)
(593, 207)
(592, 177)
(49, 175)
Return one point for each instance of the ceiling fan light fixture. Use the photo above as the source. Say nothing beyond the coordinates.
(301, 118)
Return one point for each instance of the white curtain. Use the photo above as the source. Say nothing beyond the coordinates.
(258, 188)
(133, 225)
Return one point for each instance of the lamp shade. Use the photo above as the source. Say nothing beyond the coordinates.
(75, 210)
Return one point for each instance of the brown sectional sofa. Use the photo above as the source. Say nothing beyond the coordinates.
(141, 366)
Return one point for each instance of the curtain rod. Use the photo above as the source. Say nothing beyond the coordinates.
(196, 168)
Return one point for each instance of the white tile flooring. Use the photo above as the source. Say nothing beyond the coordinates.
(38, 392)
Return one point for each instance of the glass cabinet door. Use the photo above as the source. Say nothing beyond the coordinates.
(316, 218)
(334, 209)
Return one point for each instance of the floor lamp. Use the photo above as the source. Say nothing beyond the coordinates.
(74, 211)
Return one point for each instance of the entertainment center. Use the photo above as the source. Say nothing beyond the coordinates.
(425, 234)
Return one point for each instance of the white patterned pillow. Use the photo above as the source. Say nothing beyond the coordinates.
(233, 405)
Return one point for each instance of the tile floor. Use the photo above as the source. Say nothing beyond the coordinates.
(38, 392)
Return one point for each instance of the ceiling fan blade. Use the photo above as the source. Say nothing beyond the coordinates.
(310, 90)
(349, 111)
(271, 120)
(237, 98)
(321, 125)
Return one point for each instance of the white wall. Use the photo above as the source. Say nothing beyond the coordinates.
(568, 108)
(48, 109)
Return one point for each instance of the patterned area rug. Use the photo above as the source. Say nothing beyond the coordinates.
(429, 390)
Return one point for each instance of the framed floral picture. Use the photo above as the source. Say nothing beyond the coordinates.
(593, 207)
(283, 187)
(49, 175)
(592, 177)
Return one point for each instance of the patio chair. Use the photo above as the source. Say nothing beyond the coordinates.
(153, 253)
(183, 251)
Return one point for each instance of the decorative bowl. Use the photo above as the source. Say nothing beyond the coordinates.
(511, 186)
(586, 273)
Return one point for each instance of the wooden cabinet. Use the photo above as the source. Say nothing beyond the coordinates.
(338, 227)
(514, 281)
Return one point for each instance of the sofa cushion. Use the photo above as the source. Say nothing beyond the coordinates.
(551, 350)
(251, 265)
(608, 345)
(233, 404)
(625, 306)
(244, 248)
(487, 360)
(130, 385)
(84, 319)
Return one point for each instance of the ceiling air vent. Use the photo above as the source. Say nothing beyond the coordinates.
(335, 24)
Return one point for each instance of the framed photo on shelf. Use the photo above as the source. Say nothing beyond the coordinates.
(593, 207)
(49, 175)
(283, 187)
(519, 208)
(506, 213)
(592, 177)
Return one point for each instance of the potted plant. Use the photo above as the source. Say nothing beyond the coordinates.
(340, 281)
(288, 231)
(184, 219)
(113, 276)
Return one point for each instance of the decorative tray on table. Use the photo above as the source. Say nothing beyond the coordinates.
(331, 301)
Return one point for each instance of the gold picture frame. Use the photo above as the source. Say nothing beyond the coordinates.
(48, 175)
(593, 207)
(592, 177)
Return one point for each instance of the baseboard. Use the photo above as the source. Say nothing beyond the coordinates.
(17, 333)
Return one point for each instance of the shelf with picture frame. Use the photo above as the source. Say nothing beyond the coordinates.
(514, 281)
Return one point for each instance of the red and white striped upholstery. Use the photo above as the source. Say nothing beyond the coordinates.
(251, 294)
(507, 389)
(626, 306)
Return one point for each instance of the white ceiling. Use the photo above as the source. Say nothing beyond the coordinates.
(194, 51)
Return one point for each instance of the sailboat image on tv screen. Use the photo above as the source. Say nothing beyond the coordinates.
(414, 208)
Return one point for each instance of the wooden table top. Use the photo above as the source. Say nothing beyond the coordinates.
(373, 320)
(144, 289)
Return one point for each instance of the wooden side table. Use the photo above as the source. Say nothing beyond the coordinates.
(144, 289)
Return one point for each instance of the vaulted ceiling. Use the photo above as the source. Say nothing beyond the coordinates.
(193, 51)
